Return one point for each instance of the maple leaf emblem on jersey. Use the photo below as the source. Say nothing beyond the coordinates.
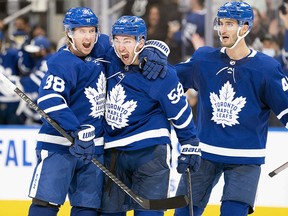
(226, 107)
(117, 110)
(97, 97)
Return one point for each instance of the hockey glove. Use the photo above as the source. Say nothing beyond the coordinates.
(190, 157)
(83, 146)
(153, 59)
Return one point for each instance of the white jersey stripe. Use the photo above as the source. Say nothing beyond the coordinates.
(46, 97)
(59, 140)
(34, 186)
(284, 112)
(232, 152)
(53, 139)
(35, 79)
(187, 122)
(137, 137)
(180, 113)
(56, 108)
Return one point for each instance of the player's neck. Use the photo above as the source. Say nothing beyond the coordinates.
(238, 52)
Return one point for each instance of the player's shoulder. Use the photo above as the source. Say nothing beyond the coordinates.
(12, 53)
(263, 63)
(63, 61)
(101, 47)
(203, 51)
(63, 56)
(112, 59)
(171, 75)
(104, 39)
(265, 60)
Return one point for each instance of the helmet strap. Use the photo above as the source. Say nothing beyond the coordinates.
(136, 53)
(238, 36)
(72, 43)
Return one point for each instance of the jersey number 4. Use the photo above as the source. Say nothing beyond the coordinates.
(285, 83)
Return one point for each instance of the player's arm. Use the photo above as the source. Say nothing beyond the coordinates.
(276, 94)
(174, 104)
(54, 97)
(186, 73)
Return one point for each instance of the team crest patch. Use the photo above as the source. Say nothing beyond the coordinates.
(97, 97)
(225, 106)
(117, 109)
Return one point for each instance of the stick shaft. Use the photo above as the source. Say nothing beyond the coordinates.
(189, 182)
(9, 85)
(160, 204)
(279, 169)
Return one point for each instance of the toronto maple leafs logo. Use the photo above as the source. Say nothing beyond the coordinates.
(225, 107)
(117, 110)
(97, 97)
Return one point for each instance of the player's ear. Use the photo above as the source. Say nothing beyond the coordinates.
(69, 34)
(244, 29)
(141, 43)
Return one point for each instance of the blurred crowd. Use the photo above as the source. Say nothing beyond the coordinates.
(180, 23)
(23, 56)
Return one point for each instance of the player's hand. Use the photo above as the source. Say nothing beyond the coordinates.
(83, 146)
(153, 63)
(153, 59)
(190, 157)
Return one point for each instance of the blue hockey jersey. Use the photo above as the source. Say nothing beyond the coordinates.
(193, 23)
(9, 67)
(234, 102)
(283, 57)
(72, 93)
(139, 111)
(30, 85)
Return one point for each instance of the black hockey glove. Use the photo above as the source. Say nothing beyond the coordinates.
(190, 157)
(153, 59)
(83, 146)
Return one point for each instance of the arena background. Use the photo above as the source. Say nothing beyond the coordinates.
(17, 155)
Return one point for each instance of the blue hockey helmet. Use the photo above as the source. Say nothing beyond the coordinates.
(240, 11)
(130, 25)
(80, 17)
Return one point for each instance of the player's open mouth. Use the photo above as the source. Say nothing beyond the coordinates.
(86, 45)
(125, 57)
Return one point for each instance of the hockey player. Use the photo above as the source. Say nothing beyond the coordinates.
(283, 57)
(73, 93)
(39, 49)
(237, 87)
(9, 58)
(137, 127)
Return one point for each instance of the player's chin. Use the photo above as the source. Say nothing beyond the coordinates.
(226, 44)
(86, 51)
(126, 60)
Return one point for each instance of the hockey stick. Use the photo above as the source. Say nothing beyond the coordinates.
(189, 182)
(278, 170)
(154, 204)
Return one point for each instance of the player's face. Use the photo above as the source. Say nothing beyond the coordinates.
(84, 39)
(228, 31)
(125, 48)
